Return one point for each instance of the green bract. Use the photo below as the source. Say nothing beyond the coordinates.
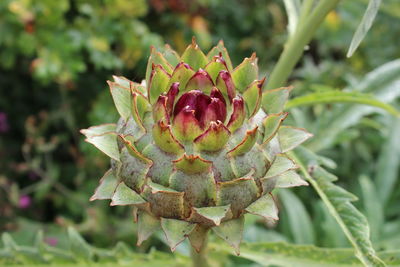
(193, 149)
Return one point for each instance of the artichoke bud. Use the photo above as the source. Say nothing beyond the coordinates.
(198, 146)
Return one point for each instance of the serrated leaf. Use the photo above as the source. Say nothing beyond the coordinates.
(365, 25)
(341, 97)
(290, 255)
(383, 82)
(352, 222)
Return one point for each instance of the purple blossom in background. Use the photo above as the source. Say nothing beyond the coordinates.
(4, 127)
(24, 202)
(33, 175)
(51, 241)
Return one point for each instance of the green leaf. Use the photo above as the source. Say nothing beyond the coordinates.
(244, 74)
(281, 164)
(289, 255)
(246, 144)
(220, 48)
(106, 188)
(99, 130)
(232, 232)
(338, 201)
(194, 56)
(388, 162)
(176, 231)
(298, 219)
(78, 246)
(122, 99)
(215, 214)
(291, 137)
(265, 207)
(105, 142)
(341, 97)
(273, 101)
(252, 97)
(170, 55)
(271, 125)
(158, 84)
(147, 225)
(124, 195)
(373, 207)
(83, 255)
(383, 82)
(365, 25)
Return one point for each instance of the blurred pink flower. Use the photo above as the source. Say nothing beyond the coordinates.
(24, 202)
(51, 241)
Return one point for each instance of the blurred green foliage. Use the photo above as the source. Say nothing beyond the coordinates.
(55, 57)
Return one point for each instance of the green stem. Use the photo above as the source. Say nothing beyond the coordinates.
(294, 47)
(305, 10)
(199, 259)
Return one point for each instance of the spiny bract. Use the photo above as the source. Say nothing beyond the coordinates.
(193, 149)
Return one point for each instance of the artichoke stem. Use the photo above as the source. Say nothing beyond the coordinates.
(199, 259)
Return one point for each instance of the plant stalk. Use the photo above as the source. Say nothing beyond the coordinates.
(294, 47)
(199, 259)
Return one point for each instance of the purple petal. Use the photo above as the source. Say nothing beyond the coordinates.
(160, 109)
(185, 126)
(215, 93)
(216, 111)
(238, 114)
(172, 93)
(219, 58)
(225, 83)
(194, 100)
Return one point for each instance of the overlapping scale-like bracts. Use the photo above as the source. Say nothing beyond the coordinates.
(198, 145)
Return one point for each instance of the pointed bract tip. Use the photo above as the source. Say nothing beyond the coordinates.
(194, 43)
(180, 64)
(261, 82)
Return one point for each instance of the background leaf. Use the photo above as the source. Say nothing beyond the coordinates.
(338, 201)
(340, 97)
(365, 25)
(288, 255)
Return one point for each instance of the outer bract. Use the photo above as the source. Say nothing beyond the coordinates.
(193, 149)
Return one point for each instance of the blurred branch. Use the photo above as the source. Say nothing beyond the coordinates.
(294, 47)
